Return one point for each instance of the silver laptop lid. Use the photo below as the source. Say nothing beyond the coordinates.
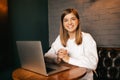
(31, 56)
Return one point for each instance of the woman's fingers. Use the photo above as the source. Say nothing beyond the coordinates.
(62, 53)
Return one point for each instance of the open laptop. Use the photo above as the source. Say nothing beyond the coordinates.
(32, 58)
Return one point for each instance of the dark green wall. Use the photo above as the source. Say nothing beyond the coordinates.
(28, 20)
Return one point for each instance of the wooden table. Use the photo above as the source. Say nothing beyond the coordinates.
(74, 73)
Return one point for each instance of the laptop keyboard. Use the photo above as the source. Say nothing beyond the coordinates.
(49, 69)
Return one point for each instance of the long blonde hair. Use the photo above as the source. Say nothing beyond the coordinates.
(63, 32)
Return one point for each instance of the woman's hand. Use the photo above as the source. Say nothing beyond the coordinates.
(63, 55)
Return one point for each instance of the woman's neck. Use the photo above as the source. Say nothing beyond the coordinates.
(71, 35)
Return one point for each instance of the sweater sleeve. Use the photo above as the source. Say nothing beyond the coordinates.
(90, 58)
(51, 54)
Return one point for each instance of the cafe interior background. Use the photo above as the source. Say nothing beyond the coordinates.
(40, 20)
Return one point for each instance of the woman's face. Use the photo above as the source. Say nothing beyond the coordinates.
(70, 22)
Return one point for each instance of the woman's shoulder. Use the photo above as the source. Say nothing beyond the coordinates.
(88, 37)
(57, 39)
(85, 34)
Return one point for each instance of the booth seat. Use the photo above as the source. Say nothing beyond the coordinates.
(109, 64)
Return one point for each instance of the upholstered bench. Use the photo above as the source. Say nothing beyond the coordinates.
(109, 64)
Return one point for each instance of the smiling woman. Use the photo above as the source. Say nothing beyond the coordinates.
(73, 46)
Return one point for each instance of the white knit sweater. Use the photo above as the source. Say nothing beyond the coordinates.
(83, 55)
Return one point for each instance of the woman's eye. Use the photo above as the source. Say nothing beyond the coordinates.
(73, 18)
(65, 20)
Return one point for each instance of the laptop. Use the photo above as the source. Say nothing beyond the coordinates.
(32, 58)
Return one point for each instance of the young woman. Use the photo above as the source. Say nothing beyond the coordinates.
(74, 46)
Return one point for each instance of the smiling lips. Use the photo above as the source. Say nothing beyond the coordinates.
(70, 26)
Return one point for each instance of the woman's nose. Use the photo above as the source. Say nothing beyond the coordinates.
(69, 22)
